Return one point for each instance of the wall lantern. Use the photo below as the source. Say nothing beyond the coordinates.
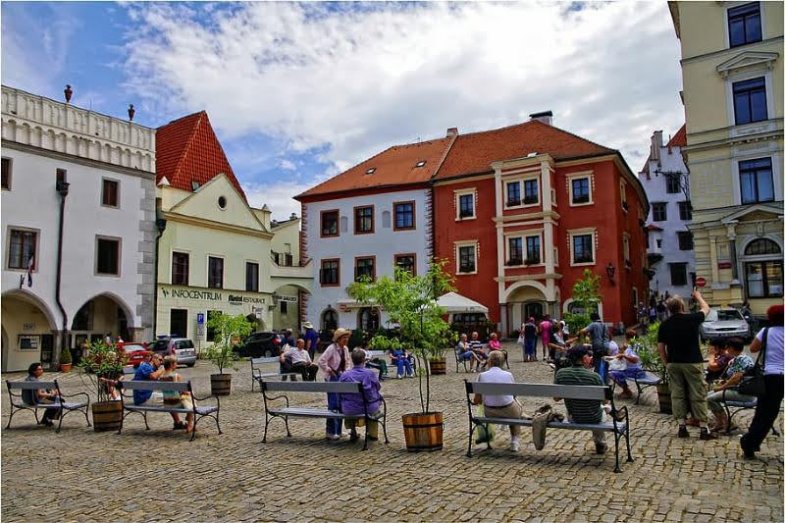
(610, 269)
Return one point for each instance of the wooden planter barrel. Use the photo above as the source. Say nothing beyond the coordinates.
(664, 398)
(438, 366)
(107, 415)
(424, 432)
(221, 384)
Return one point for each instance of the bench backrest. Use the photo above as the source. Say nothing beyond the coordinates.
(583, 392)
(178, 386)
(31, 385)
(375, 353)
(255, 362)
(335, 387)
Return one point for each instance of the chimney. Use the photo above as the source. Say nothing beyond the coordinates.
(656, 145)
(545, 117)
(452, 131)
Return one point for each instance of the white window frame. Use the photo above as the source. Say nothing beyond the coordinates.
(36, 252)
(468, 243)
(740, 75)
(521, 181)
(623, 195)
(465, 192)
(10, 173)
(730, 5)
(625, 240)
(576, 176)
(776, 174)
(541, 254)
(508, 253)
(583, 232)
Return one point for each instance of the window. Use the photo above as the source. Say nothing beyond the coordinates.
(251, 277)
(685, 211)
(215, 272)
(659, 211)
(467, 259)
(404, 215)
(329, 223)
(761, 246)
(672, 183)
(532, 250)
(515, 251)
(685, 240)
(678, 274)
(109, 190)
(180, 268)
(580, 191)
(22, 249)
(6, 163)
(749, 101)
(178, 322)
(513, 194)
(284, 307)
(363, 220)
(582, 248)
(764, 279)
(466, 205)
(623, 195)
(211, 330)
(108, 256)
(744, 24)
(531, 192)
(625, 240)
(407, 262)
(364, 268)
(368, 320)
(757, 184)
(329, 275)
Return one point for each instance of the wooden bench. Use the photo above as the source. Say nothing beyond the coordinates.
(335, 387)
(15, 389)
(199, 411)
(648, 379)
(258, 374)
(619, 429)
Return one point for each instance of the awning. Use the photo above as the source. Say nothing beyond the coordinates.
(455, 303)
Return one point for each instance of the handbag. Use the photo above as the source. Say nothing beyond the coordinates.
(754, 384)
(484, 435)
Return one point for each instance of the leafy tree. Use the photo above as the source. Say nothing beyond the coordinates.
(226, 328)
(410, 302)
(586, 297)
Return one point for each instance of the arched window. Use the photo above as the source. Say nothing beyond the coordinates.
(762, 246)
(368, 320)
(329, 320)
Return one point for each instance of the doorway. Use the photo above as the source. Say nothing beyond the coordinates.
(532, 309)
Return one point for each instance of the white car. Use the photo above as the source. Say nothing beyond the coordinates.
(725, 323)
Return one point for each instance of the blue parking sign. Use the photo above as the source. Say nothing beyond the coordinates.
(200, 318)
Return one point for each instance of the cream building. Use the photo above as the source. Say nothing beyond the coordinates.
(287, 264)
(733, 97)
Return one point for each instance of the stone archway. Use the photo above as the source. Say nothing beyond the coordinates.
(523, 301)
(29, 331)
(102, 315)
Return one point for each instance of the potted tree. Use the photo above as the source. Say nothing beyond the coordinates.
(651, 361)
(221, 353)
(103, 365)
(410, 302)
(66, 362)
(586, 297)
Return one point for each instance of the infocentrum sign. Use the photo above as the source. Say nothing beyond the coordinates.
(205, 295)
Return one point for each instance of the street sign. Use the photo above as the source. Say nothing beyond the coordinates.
(700, 281)
(200, 318)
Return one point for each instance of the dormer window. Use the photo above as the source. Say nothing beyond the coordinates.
(370, 170)
(421, 163)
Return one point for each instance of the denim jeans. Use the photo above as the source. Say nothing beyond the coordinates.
(334, 426)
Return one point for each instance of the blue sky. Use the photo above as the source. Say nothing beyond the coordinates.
(300, 92)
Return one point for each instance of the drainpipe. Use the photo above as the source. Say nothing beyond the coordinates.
(160, 226)
(62, 190)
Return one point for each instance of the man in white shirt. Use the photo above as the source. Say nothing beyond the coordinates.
(297, 359)
(500, 406)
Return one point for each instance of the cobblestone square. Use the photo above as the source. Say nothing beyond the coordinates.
(158, 475)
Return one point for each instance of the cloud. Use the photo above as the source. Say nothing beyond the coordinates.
(349, 80)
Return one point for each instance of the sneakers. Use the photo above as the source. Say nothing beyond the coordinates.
(515, 446)
(400, 376)
(333, 437)
(683, 432)
(600, 448)
(706, 435)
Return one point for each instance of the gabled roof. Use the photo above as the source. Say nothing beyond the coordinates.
(473, 153)
(394, 166)
(680, 138)
(187, 150)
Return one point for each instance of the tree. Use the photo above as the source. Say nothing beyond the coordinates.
(586, 297)
(410, 302)
(226, 327)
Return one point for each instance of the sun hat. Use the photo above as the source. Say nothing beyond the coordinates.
(340, 333)
(308, 325)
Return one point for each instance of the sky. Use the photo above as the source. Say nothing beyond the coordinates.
(299, 92)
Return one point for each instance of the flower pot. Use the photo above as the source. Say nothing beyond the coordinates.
(66, 367)
(221, 384)
(438, 366)
(423, 431)
(107, 415)
(664, 398)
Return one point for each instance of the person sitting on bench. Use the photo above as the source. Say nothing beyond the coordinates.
(353, 404)
(173, 398)
(465, 353)
(151, 369)
(738, 366)
(632, 369)
(500, 406)
(403, 362)
(40, 396)
(297, 359)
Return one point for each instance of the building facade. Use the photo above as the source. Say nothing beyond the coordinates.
(78, 210)
(669, 244)
(733, 98)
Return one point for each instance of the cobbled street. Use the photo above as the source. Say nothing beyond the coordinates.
(158, 475)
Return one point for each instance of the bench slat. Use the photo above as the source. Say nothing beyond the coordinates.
(182, 386)
(585, 392)
(304, 412)
(262, 361)
(605, 426)
(335, 387)
(31, 385)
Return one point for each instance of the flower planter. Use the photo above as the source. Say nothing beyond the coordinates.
(438, 366)
(66, 367)
(423, 431)
(664, 398)
(107, 415)
(221, 384)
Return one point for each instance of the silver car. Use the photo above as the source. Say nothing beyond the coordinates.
(183, 348)
(725, 323)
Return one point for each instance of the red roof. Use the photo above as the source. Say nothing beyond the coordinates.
(680, 138)
(187, 150)
(652, 227)
(397, 165)
(474, 153)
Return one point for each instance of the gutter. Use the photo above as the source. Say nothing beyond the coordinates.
(62, 190)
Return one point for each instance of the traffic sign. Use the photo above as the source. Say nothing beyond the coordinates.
(700, 281)
(200, 318)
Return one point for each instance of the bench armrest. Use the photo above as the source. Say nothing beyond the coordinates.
(203, 398)
(74, 394)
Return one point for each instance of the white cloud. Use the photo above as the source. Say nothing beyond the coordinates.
(354, 82)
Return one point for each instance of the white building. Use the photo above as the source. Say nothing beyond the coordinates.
(78, 209)
(364, 222)
(670, 247)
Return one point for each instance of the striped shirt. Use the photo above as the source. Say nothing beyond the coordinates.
(581, 411)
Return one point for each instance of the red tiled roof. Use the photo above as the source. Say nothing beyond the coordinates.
(652, 227)
(680, 138)
(394, 166)
(187, 150)
(474, 153)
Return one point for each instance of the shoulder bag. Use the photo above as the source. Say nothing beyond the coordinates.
(753, 383)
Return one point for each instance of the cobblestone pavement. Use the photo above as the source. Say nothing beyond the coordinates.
(158, 475)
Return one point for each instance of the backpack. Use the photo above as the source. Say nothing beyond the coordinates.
(601, 345)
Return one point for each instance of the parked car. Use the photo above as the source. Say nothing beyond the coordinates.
(259, 344)
(725, 323)
(183, 348)
(135, 351)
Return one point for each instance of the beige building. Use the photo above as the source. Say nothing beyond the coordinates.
(286, 266)
(733, 98)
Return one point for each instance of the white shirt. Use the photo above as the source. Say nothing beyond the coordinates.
(496, 375)
(613, 348)
(298, 356)
(774, 350)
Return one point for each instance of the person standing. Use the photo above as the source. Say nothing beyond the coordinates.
(679, 348)
(311, 338)
(768, 406)
(529, 331)
(544, 329)
(333, 362)
(599, 338)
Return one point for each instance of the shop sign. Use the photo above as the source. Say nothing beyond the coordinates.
(233, 298)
